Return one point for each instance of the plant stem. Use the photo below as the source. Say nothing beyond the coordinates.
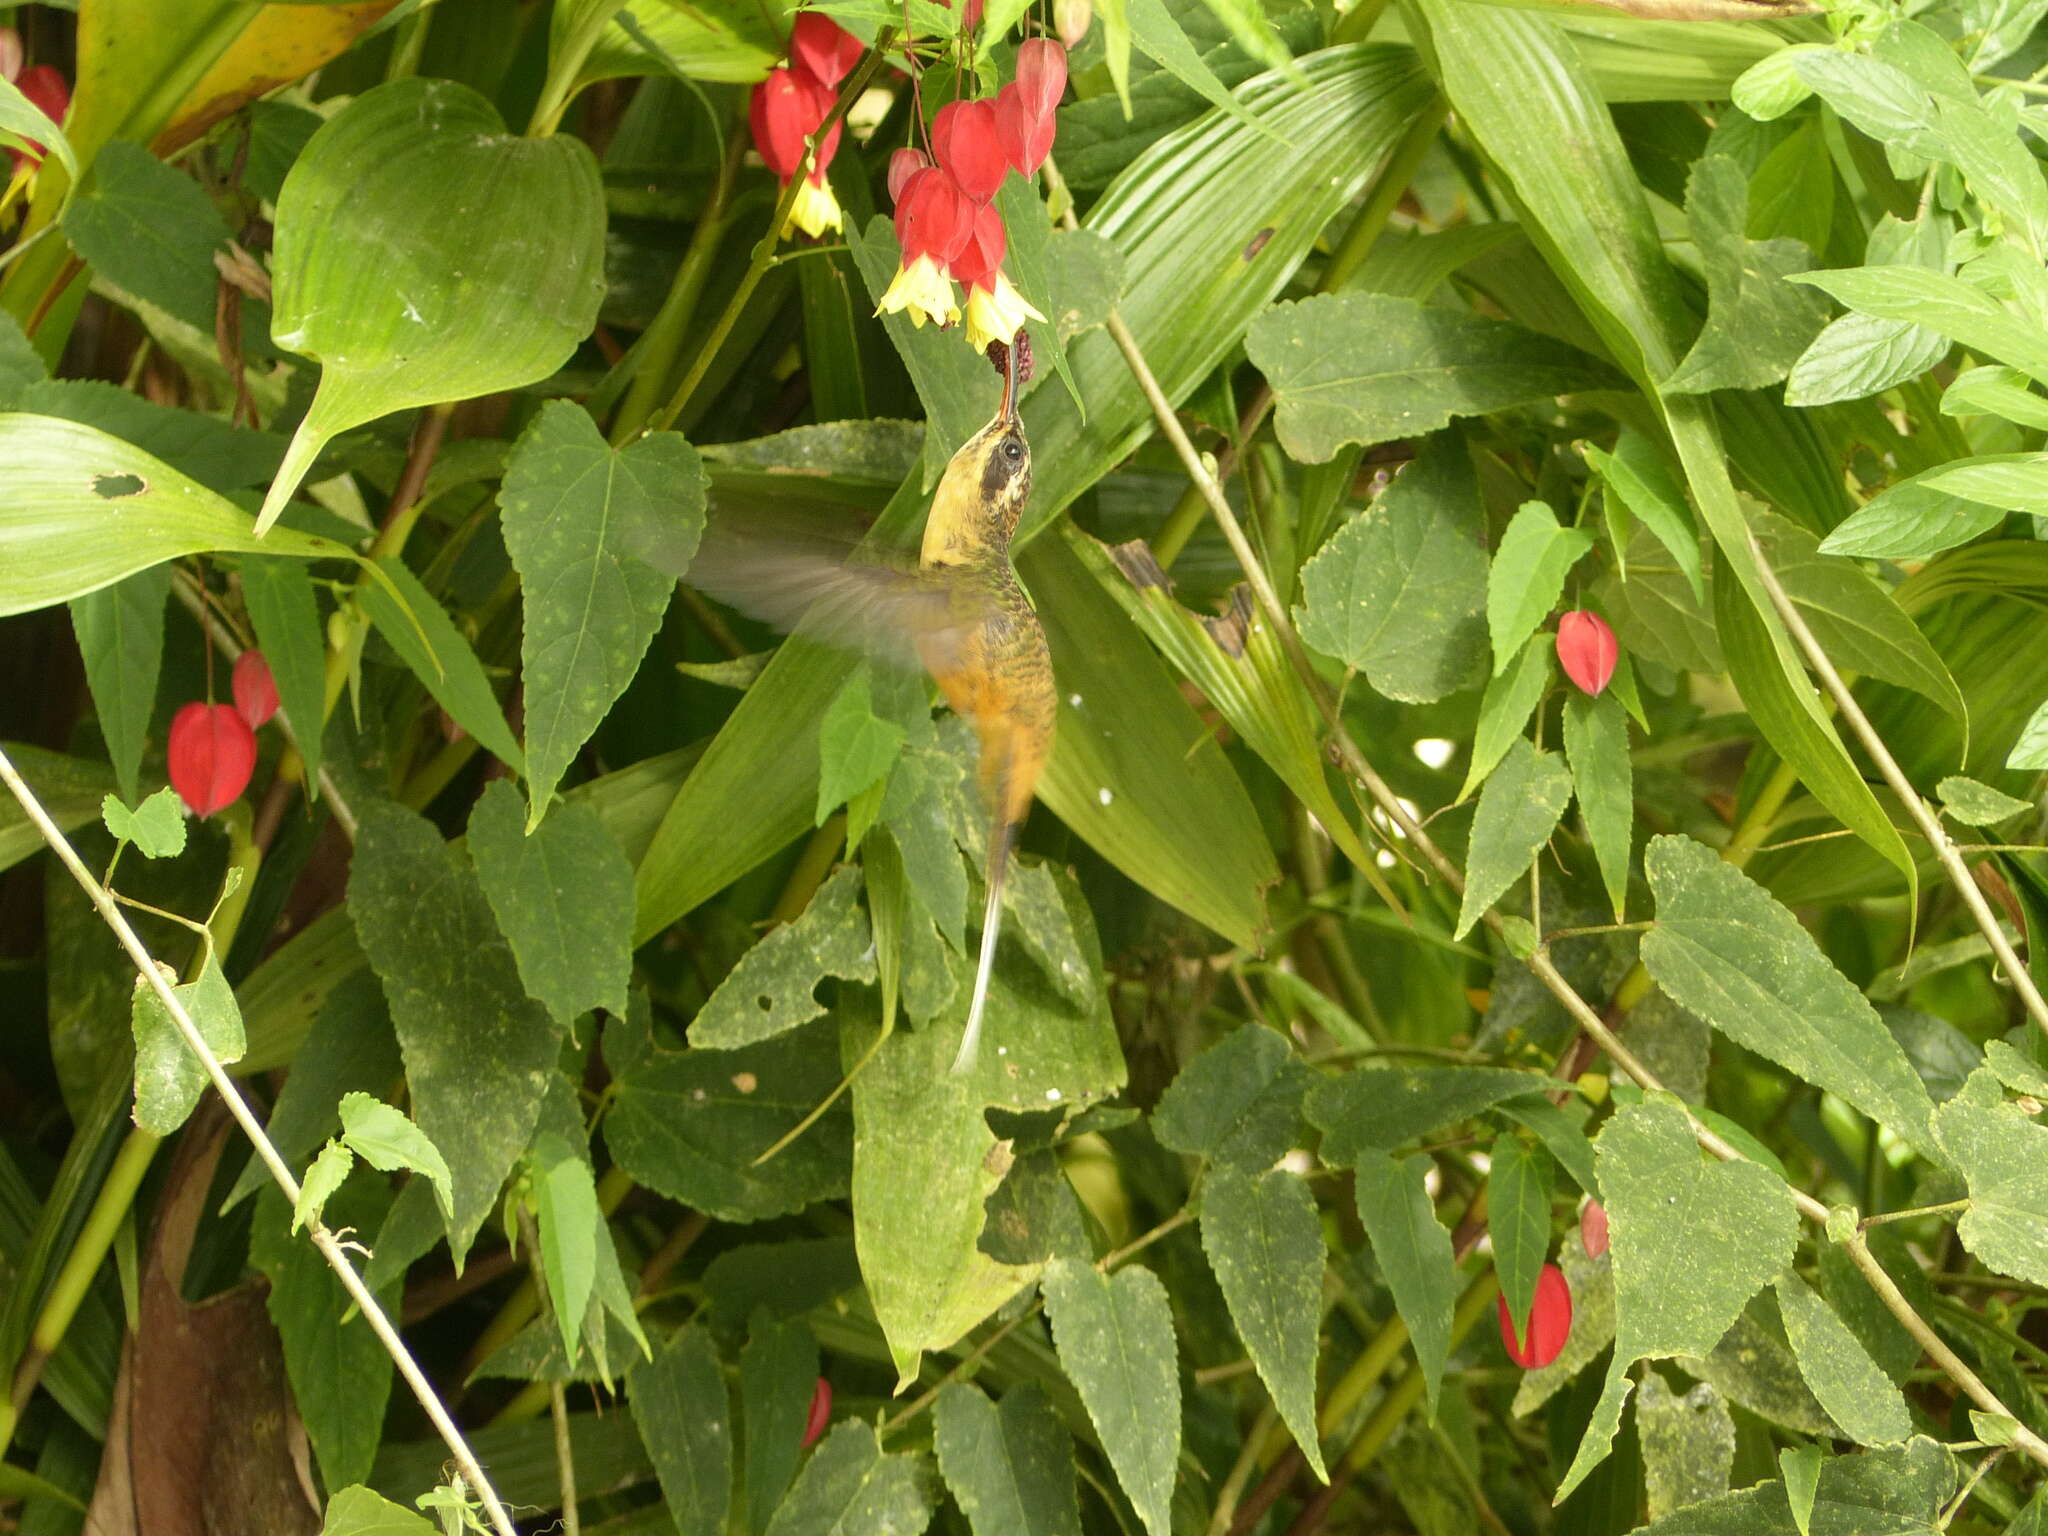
(560, 88)
(558, 1396)
(1385, 196)
(324, 1240)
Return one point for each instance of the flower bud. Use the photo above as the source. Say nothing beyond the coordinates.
(933, 216)
(1550, 1321)
(255, 688)
(779, 114)
(822, 46)
(1041, 74)
(1593, 1228)
(212, 752)
(820, 1414)
(1071, 19)
(1026, 140)
(1587, 650)
(904, 164)
(964, 143)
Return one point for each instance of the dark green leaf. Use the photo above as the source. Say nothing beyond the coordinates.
(149, 230)
(850, 1486)
(1518, 1220)
(2002, 1155)
(1375, 1109)
(120, 632)
(1897, 1491)
(1413, 1252)
(1237, 1104)
(1596, 746)
(1511, 697)
(1518, 810)
(427, 640)
(771, 990)
(778, 1374)
(1688, 1444)
(1010, 1464)
(279, 597)
(684, 1417)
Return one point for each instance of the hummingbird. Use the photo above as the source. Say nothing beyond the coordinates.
(962, 614)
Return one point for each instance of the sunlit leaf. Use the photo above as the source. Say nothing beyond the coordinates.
(1688, 1444)
(168, 1077)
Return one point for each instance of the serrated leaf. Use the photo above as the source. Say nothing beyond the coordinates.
(778, 1375)
(156, 827)
(168, 1077)
(279, 596)
(850, 1486)
(1510, 698)
(1899, 1490)
(565, 1199)
(477, 1050)
(1856, 356)
(428, 642)
(1846, 1381)
(120, 632)
(1519, 808)
(563, 897)
(1413, 1252)
(1688, 1444)
(1265, 1244)
(151, 230)
(326, 1174)
(1369, 367)
(1375, 1109)
(1518, 1221)
(1114, 1334)
(1691, 1242)
(1976, 804)
(2002, 1155)
(1994, 391)
(1399, 592)
(1527, 575)
(1942, 303)
(385, 1139)
(1596, 746)
(598, 536)
(1635, 472)
(684, 1416)
(489, 269)
(1237, 1104)
(1726, 950)
(1010, 1464)
(771, 990)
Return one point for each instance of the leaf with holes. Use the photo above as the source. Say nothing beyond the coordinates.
(771, 990)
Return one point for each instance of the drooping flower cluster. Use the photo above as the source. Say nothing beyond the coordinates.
(45, 88)
(212, 747)
(946, 221)
(793, 103)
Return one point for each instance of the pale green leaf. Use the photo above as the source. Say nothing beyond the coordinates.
(1771, 87)
(1856, 356)
(563, 897)
(1799, 1467)
(1010, 1464)
(168, 1077)
(489, 259)
(1518, 810)
(323, 1177)
(684, 1416)
(722, 41)
(1635, 472)
(855, 747)
(1726, 950)
(1976, 804)
(356, 1511)
(1596, 746)
(1510, 698)
(1526, 578)
(1911, 520)
(1942, 303)
(1413, 1252)
(566, 1210)
(2015, 1070)
(120, 632)
(2002, 1155)
(156, 827)
(2031, 750)
(850, 1487)
(1518, 1221)
(426, 639)
(385, 1139)
(1688, 1444)
(1115, 1339)
(1994, 391)
(1265, 1245)
(22, 123)
(1845, 1380)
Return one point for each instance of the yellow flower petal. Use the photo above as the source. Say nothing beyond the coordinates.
(815, 210)
(997, 315)
(924, 291)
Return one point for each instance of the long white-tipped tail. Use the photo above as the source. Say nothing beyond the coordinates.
(991, 929)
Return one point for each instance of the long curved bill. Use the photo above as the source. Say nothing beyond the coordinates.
(1008, 410)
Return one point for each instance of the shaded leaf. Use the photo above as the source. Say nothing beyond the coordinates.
(1010, 1464)
(1896, 1491)
(684, 1416)
(1688, 1444)
(120, 632)
(1844, 1379)
(1596, 746)
(1518, 810)
(778, 1374)
(150, 230)
(1518, 1221)
(1511, 697)
(279, 596)
(428, 642)
(1375, 1109)
(771, 990)
(2002, 1155)
(1238, 1103)
(1413, 1252)
(850, 1486)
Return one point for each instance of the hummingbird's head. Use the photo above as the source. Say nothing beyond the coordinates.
(982, 494)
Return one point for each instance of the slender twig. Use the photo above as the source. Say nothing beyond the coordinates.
(558, 1395)
(1930, 824)
(324, 1240)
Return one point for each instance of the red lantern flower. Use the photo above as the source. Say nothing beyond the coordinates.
(1026, 140)
(821, 1411)
(1587, 650)
(904, 164)
(981, 257)
(785, 110)
(1550, 1321)
(820, 45)
(933, 223)
(1041, 75)
(212, 753)
(1593, 1228)
(965, 144)
(47, 90)
(255, 688)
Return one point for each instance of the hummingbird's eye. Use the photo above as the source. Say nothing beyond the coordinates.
(1012, 449)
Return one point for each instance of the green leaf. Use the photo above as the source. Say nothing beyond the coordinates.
(428, 642)
(1857, 356)
(476, 1050)
(1413, 1252)
(1635, 472)
(20, 365)
(1518, 810)
(385, 1139)
(1369, 367)
(1027, 223)
(1561, 1134)
(489, 259)
(168, 1077)
(1978, 805)
(684, 1416)
(22, 122)
(2015, 1070)
(1527, 577)
(156, 827)
(1399, 591)
(1596, 746)
(1911, 520)
(1264, 1241)
(1375, 1109)
(356, 1511)
(1518, 1220)
(924, 1165)
(150, 230)
(1856, 1394)
(1757, 325)
(598, 537)
(2030, 751)
(566, 1210)
(327, 1173)
(1237, 1104)
(771, 990)
(2002, 1155)
(339, 1369)
(849, 1486)
(279, 596)
(120, 632)
(735, 43)
(778, 1375)
(1688, 1444)
(1010, 1464)
(1726, 950)
(1949, 305)
(689, 1124)
(1692, 1241)
(1994, 391)
(1510, 698)
(1114, 1334)
(1897, 1489)
(855, 748)
(1799, 1466)
(64, 481)
(563, 897)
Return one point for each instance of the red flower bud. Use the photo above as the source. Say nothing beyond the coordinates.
(1026, 140)
(785, 111)
(964, 142)
(47, 90)
(1550, 1321)
(255, 688)
(212, 753)
(904, 164)
(821, 1411)
(1586, 649)
(823, 47)
(933, 217)
(1593, 1228)
(1072, 18)
(1041, 74)
(982, 256)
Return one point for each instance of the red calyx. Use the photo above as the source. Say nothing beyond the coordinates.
(785, 110)
(1025, 139)
(933, 217)
(820, 45)
(1041, 74)
(1587, 650)
(1593, 1228)
(821, 1411)
(982, 256)
(964, 143)
(212, 752)
(50, 93)
(904, 164)
(255, 688)
(1550, 1321)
